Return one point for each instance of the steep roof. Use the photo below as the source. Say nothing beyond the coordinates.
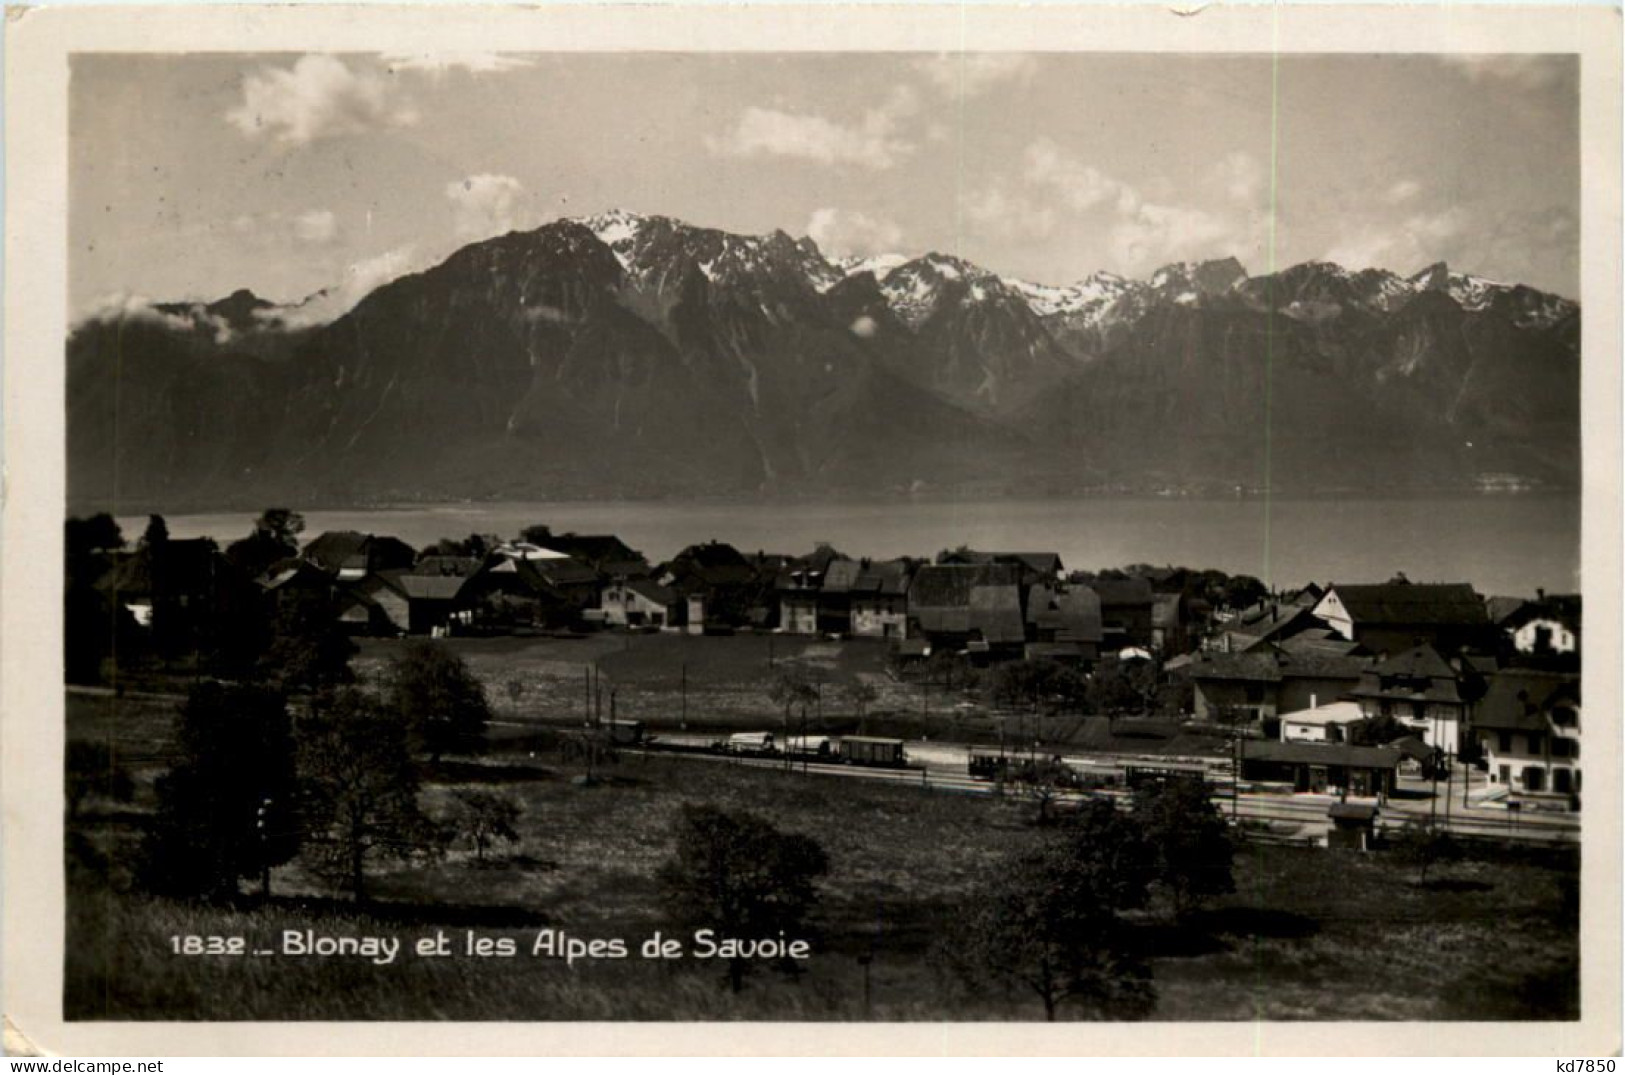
(1418, 674)
(1413, 604)
(651, 590)
(995, 611)
(431, 587)
(1518, 698)
(888, 578)
(941, 598)
(841, 576)
(331, 549)
(1564, 608)
(1072, 613)
(1500, 609)
(1123, 593)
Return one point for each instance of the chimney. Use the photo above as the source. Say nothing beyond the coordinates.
(1540, 595)
(1313, 702)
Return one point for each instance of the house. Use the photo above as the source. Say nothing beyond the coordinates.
(955, 605)
(1063, 623)
(1396, 615)
(641, 603)
(1034, 567)
(524, 585)
(1423, 691)
(1548, 627)
(606, 554)
(1321, 767)
(1125, 613)
(292, 583)
(1168, 623)
(835, 597)
(798, 586)
(1528, 725)
(718, 584)
(1261, 684)
(1326, 723)
(435, 602)
(349, 556)
(1271, 620)
(376, 605)
(879, 601)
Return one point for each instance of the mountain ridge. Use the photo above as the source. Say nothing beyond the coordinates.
(633, 356)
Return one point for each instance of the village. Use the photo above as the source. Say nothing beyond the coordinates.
(1368, 695)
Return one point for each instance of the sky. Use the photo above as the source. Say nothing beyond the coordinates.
(193, 175)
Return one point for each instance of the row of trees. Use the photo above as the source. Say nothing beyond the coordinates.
(252, 787)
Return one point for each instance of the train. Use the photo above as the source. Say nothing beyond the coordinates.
(864, 750)
(1079, 774)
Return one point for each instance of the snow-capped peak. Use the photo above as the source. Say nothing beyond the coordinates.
(879, 264)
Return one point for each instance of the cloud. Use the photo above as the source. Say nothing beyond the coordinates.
(1403, 191)
(485, 205)
(440, 63)
(1080, 186)
(1525, 72)
(1143, 228)
(318, 97)
(361, 278)
(845, 233)
(872, 142)
(1242, 178)
(1414, 242)
(128, 306)
(1014, 213)
(1152, 235)
(972, 73)
(318, 228)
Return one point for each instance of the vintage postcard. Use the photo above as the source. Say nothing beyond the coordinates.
(892, 529)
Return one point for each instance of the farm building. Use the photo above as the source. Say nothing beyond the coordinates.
(641, 603)
(1392, 616)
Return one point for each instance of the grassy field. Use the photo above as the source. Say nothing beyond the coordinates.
(1308, 934)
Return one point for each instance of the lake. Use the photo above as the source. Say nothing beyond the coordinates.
(1502, 544)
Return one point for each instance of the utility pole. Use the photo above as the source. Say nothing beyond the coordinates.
(682, 721)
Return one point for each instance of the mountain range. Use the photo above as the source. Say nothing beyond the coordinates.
(642, 357)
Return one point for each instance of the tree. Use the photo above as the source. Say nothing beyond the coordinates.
(226, 810)
(484, 817)
(1194, 853)
(1048, 920)
(863, 695)
(441, 700)
(157, 533)
(275, 537)
(1423, 845)
(309, 650)
(736, 874)
(537, 534)
(359, 788)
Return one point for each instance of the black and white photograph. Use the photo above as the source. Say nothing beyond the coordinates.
(830, 531)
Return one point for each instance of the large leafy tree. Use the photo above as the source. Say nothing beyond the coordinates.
(1194, 852)
(442, 701)
(275, 537)
(1049, 921)
(359, 788)
(308, 650)
(736, 874)
(226, 810)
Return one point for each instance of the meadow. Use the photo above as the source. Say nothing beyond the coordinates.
(1308, 933)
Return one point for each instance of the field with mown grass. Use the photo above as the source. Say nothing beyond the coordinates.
(1308, 934)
